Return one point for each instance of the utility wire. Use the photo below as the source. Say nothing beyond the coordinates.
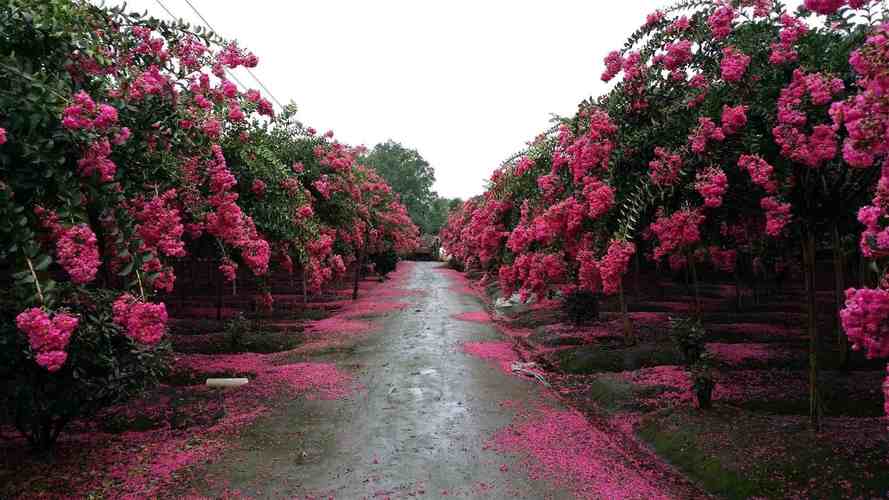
(227, 72)
(207, 23)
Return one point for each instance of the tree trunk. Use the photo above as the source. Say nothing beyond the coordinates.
(694, 283)
(629, 336)
(809, 256)
(839, 267)
(636, 272)
(737, 290)
(358, 268)
(218, 279)
(305, 287)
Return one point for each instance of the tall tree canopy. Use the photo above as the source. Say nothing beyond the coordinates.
(411, 176)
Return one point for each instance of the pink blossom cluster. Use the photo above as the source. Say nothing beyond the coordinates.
(734, 118)
(160, 228)
(678, 54)
(258, 188)
(47, 337)
(85, 115)
(784, 51)
(723, 260)
(77, 251)
(827, 7)
(614, 264)
(654, 18)
(734, 64)
(760, 172)
(592, 149)
(712, 184)
(534, 271)
(865, 115)
(613, 64)
(777, 214)
(720, 21)
(875, 237)
(2, 136)
(821, 145)
(865, 319)
(143, 322)
(706, 132)
(599, 197)
(229, 223)
(677, 232)
(665, 167)
(159, 225)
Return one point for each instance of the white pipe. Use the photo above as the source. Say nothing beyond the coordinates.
(226, 382)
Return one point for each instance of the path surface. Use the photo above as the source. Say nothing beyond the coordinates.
(417, 428)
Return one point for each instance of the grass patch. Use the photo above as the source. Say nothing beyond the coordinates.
(736, 454)
(610, 358)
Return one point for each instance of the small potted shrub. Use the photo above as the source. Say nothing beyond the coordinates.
(703, 381)
(688, 336)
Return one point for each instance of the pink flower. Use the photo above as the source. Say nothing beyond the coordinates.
(305, 211)
(95, 160)
(733, 119)
(654, 18)
(720, 21)
(712, 184)
(865, 319)
(824, 7)
(678, 54)
(706, 131)
(613, 64)
(143, 322)
(258, 188)
(734, 64)
(777, 215)
(47, 337)
(78, 253)
(614, 264)
(2, 136)
(664, 169)
(677, 232)
(52, 360)
(599, 197)
(760, 172)
(229, 270)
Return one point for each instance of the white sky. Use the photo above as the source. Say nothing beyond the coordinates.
(466, 83)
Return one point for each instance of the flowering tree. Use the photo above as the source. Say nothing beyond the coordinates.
(736, 129)
(129, 149)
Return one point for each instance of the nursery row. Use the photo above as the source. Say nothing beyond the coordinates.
(126, 147)
(741, 140)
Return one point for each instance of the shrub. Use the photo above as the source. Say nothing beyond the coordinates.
(581, 306)
(688, 335)
(384, 262)
(104, 366)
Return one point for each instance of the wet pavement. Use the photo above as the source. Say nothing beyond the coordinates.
(416, 428)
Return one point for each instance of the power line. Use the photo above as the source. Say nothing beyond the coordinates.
(227, 72)
(207, 23)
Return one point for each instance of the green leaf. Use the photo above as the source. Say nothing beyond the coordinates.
(127, 269)
(43, 263)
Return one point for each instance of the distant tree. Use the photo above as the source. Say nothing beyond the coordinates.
(411, 176)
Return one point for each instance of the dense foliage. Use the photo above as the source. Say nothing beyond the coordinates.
(741, 137)
(124, 146)
(411, 176)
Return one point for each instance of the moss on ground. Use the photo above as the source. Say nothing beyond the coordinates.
(609, 358)
(736, 454)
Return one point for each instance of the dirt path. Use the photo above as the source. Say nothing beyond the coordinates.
(417, 428)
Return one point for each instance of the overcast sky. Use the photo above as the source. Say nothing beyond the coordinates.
(465, 82)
